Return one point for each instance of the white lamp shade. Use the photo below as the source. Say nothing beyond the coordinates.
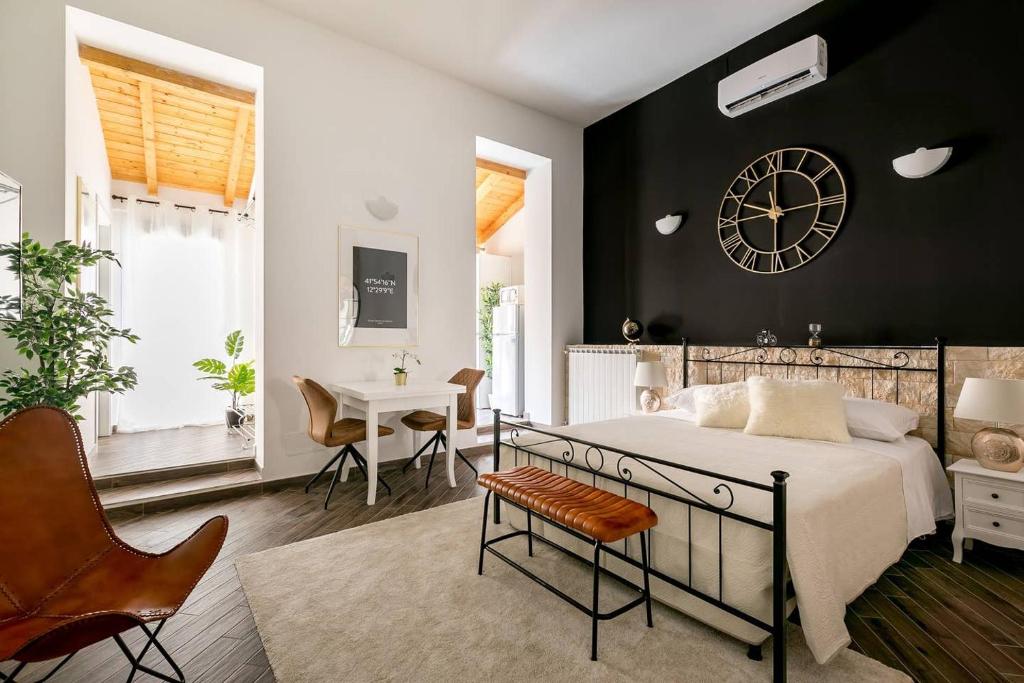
(669, 224)
(992, 400)
(650, 374)
(922, 162)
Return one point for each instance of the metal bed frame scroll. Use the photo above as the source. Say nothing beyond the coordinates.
(615, 468)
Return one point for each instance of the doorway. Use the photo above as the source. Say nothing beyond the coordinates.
(500, 239)
(513, 238)
(164, 147)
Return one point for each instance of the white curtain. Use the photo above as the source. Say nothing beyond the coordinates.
(187, 280)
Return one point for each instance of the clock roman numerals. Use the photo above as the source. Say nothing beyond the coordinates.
(731, 242)
(769, 224)
(823, 172)
(749, 260)
(803, 157)
(802, 255)
(729, 194)
(826, 230)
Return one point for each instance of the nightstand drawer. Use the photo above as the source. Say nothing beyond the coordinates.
(986, 521)
(988, 492)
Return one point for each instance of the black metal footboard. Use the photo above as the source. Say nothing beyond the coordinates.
(596, 459)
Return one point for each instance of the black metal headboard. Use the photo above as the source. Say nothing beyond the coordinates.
(800, 361)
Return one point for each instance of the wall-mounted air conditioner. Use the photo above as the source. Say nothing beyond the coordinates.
(794, 68)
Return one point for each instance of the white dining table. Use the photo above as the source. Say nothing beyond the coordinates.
(376, 397)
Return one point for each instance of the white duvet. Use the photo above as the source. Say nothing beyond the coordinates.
(852, 509)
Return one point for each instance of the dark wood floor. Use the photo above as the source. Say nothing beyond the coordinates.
(929, 617)
(940, 621)
(140, 451)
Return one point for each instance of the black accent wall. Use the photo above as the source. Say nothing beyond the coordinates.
(914, 259)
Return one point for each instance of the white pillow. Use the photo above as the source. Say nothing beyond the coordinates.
(879, 420)
(797, 409)
(722, 405)
(683, 399)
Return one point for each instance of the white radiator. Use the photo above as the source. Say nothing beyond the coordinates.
(600, 383)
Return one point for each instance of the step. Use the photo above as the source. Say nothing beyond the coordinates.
(223, 465)
(159, 495)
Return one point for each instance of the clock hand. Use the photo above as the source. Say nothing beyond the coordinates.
(802, 206)
(747, 218)
(774, 215)
(759, 208)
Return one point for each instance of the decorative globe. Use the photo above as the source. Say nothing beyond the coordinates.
(632, 330)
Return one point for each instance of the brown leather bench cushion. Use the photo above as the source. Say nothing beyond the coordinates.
(597, 513)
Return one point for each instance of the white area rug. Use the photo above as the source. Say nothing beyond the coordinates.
(401, 600)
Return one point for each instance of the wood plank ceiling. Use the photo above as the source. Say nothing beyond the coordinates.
(499, 195)
(167, 128)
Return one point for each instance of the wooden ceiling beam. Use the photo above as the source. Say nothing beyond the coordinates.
(487, 233)
(148, 135)
(486, 186)
(134, 69)
(237, 148)
(495, 167)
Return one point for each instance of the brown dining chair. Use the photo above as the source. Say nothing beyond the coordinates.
(327, 431)
(427, 421)
(66, 580)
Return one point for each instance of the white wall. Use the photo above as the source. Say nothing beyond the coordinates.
(543, 397)
(85, 158)
(343, 122)
(509, 241)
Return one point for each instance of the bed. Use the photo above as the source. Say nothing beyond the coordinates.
(732, 505)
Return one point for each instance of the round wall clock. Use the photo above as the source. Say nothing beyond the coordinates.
(782, 210)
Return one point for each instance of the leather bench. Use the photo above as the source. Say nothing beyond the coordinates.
(586, 512)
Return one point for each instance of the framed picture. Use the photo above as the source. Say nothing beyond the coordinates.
(378, 287)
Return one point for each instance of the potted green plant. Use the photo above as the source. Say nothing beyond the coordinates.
(239, 379)
(64, 330)
(403, 356)
(490, 296)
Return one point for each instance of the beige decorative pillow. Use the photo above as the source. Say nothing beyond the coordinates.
(722, 405)
(797, 409)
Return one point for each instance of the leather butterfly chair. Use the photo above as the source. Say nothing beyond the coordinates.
(427, 421)
(323, 429)
(66, 580)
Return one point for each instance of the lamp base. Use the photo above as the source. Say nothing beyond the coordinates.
(650, 402)
(999, 449)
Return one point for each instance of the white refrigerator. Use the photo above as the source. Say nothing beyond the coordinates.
(508, 374)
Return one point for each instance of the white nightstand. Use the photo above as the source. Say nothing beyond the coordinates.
(989, 507)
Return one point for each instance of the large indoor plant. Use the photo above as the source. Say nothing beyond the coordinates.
(490, 296)
(239, 379)
(64, 331)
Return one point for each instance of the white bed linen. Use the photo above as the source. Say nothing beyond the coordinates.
(926, 490)
(846, 513)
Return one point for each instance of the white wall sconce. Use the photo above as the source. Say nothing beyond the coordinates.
(669, 224)
(922, 162)
(382, 209)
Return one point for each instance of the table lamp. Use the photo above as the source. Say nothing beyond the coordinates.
(650, 374)
(994, 400)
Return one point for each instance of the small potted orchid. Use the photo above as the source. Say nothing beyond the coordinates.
(403, 357)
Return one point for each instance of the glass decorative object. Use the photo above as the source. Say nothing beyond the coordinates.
(815, 330)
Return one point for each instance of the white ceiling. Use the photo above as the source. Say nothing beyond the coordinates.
(579, 60)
